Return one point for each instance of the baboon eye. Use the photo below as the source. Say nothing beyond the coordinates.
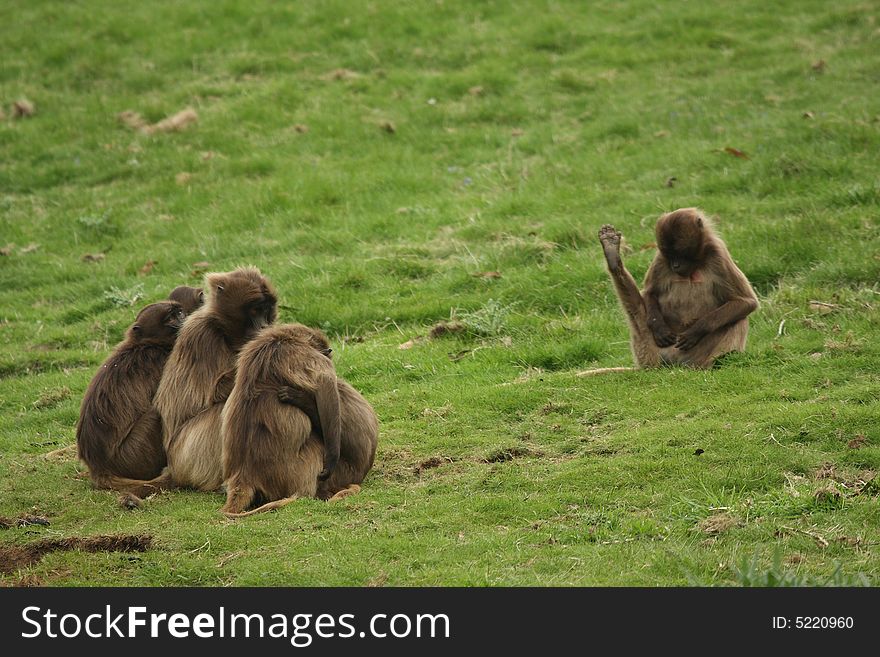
(136, 328)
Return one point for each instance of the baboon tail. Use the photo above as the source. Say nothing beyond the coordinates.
(606, 370)
(269, 506)
(138, 487)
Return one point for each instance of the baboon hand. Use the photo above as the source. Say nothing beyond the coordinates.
(690, 338)
(663, 335)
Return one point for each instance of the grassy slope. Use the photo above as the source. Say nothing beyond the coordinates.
(374, 236)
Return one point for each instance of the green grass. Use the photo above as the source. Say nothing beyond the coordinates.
(583, 112)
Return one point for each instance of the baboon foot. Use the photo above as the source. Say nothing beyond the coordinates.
(129, 502)
(610, 237)
(345, 492)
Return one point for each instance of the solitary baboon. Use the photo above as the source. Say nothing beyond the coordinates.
(198, 376)
(286, 385)
(191, 298)
(119, 433)
(695, 303)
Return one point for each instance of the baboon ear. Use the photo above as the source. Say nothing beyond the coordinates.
(216, 282)
(699, 221)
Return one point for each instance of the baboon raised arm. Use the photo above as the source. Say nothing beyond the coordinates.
(695, 303)
(119, 433)
(199, 372)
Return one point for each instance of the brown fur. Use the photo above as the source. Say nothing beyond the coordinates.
(198, 376)
(119, 433)
(191, 298)
(695, 303)
(270, 451)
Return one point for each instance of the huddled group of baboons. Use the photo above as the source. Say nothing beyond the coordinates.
(205, 391)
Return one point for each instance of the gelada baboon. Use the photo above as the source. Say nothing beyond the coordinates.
(191, 298)
(695, 303)
(286, 385)
(119, 433)
(198, 376)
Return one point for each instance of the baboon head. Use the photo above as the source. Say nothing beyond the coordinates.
(158, 323)
(242, 301)
(191, 298)
(681, 239)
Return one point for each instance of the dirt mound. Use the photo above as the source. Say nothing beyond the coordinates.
(14, 557)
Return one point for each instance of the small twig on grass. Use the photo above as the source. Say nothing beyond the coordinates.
(781, 330)
(820, 540)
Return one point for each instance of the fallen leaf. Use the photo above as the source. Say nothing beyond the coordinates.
(487, 274)
(818, 66)
(342, 74)
(822, 308)
(147, 268)
(92, 257)
(7, 250)
(807, 115)
(183, 178)
(131, 119)
(388, 127)
(23, 108)
(409, 344)
(301, 128)
(660, 134)
(517, 132)
(30, 248)
(442, 328)
(174, 123)
(670, 182)
(736, 152)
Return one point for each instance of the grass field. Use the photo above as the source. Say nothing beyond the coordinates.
(393, 165)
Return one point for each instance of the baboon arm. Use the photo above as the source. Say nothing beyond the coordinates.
(223, 387)
(327, 399)
(663, 335)
(304, 401)
(725, 315)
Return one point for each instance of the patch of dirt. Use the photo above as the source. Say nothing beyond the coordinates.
(52, 398)
(827, 495)
(858, 442)
(510, 453)
(433, 462)
(15, 557)
(23, 520)
(826, 471)
(718, 523)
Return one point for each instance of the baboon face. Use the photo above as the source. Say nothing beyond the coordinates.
(318, 341)
(244, 299)
(158, 322)
(680, 239)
